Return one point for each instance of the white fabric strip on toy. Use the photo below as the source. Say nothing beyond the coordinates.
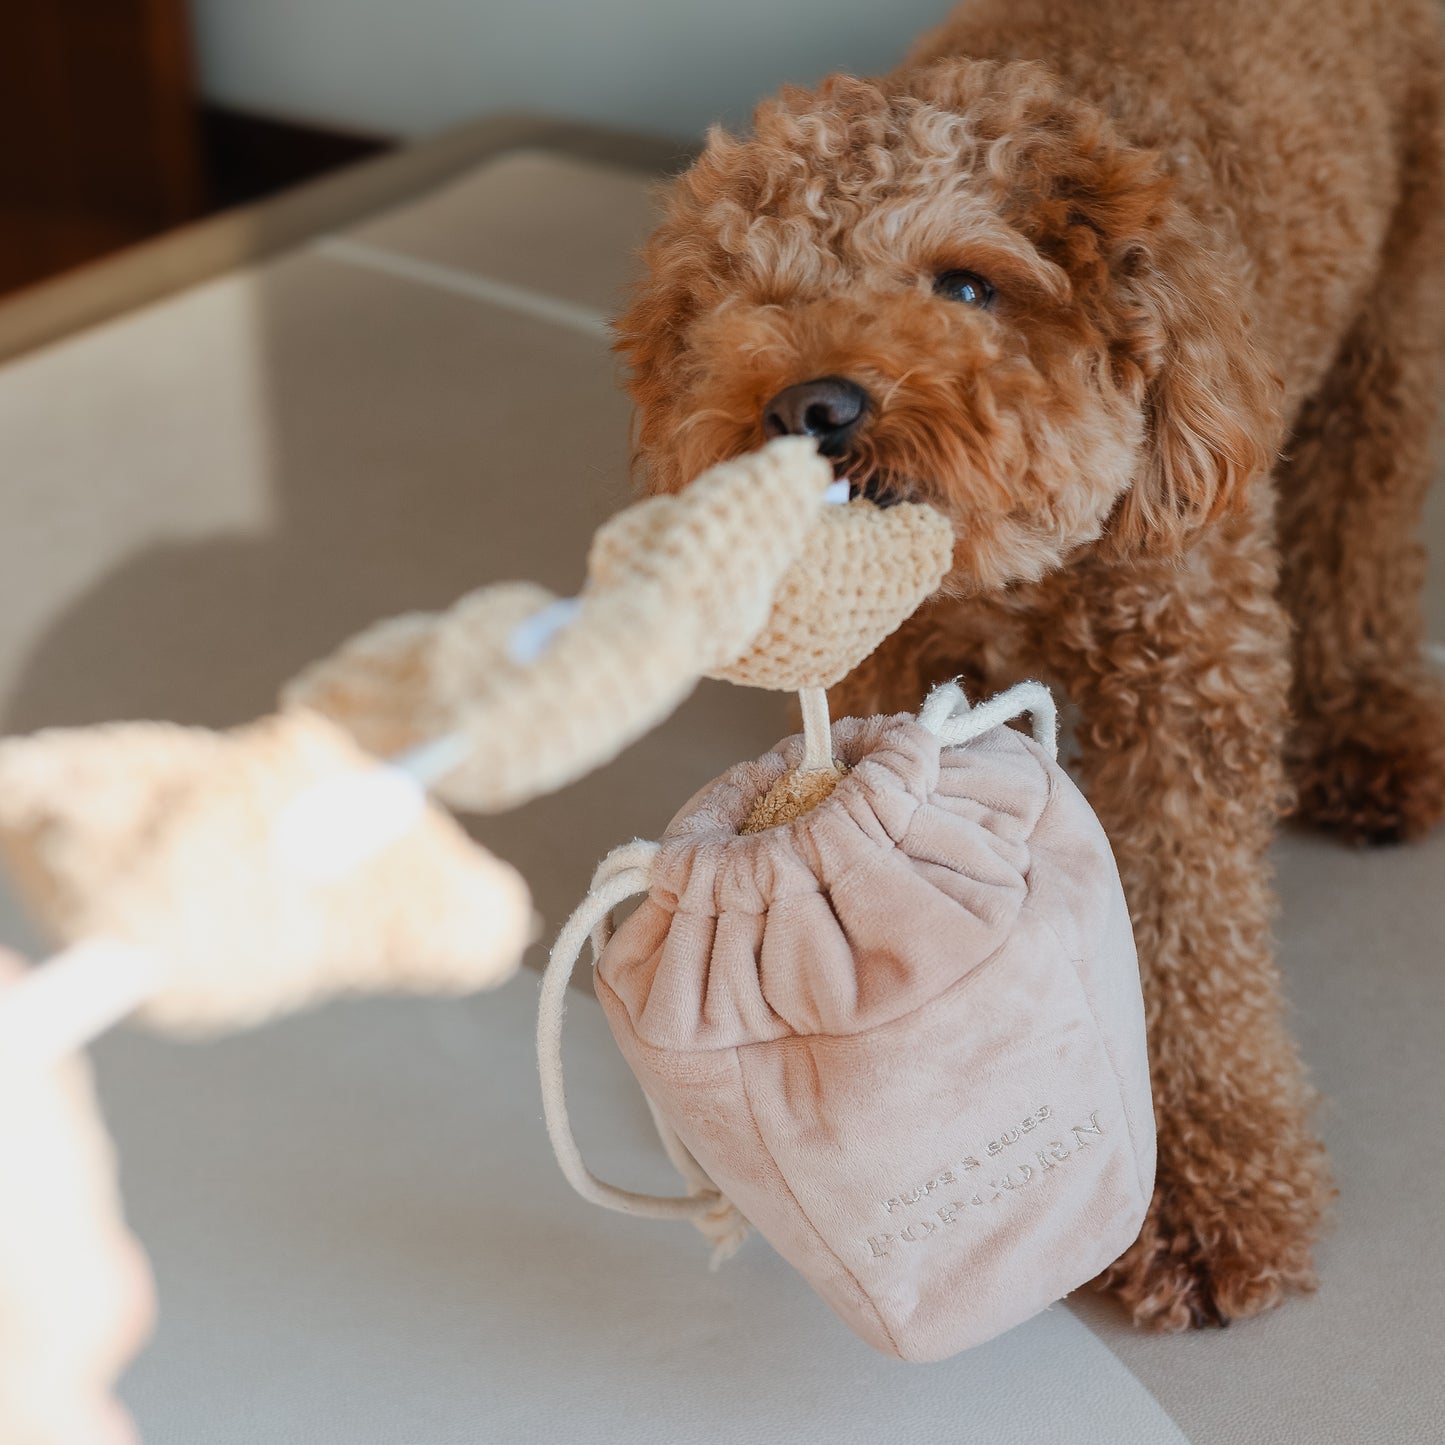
(817, 730)
(58, 1007)
(327, 831)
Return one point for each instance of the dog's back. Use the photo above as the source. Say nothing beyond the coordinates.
(1304, 124)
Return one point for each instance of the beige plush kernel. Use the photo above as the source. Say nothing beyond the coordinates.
(798, 791)
(173, 839)
(862, 573)
(676, 586)
(744, 575)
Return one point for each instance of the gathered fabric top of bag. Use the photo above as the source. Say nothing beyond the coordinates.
(884, 848)
(901, 1034)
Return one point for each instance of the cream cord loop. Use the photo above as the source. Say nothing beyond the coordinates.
(623, 873)
(948, 716)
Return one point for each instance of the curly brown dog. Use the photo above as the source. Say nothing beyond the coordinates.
(1147, 297)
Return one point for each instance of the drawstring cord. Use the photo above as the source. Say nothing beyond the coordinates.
(949, 717)
(622, 874)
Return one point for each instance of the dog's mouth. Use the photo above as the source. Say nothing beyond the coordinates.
(883, 489)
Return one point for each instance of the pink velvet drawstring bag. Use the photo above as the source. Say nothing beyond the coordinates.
(901, 1035)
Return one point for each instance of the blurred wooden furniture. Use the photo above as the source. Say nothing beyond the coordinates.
(99, 139)
(248, 234)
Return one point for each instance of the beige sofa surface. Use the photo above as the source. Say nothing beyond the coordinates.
(358, 1232)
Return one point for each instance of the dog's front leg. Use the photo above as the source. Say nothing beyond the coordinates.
(1180, 671)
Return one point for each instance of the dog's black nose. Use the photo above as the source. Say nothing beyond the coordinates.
(828, 408)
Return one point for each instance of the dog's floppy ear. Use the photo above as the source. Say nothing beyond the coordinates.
(649, 338)
(704, 209)
(664, 300)
(1211, 405)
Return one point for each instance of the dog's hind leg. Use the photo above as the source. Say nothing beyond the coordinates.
(1367, 754)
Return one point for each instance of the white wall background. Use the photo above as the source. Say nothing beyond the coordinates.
(410, 66)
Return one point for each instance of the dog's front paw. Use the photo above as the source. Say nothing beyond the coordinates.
(1216, 1250)
(1375, 772)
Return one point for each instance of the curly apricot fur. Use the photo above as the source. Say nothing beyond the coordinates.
(1184, 453)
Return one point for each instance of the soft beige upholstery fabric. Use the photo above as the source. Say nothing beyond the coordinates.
(359, 1232)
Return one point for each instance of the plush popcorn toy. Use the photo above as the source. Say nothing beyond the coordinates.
(881, 994)
(208, 881)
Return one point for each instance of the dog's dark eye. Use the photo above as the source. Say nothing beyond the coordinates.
(966, 286)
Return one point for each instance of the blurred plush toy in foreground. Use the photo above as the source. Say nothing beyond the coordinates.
(210, 881)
